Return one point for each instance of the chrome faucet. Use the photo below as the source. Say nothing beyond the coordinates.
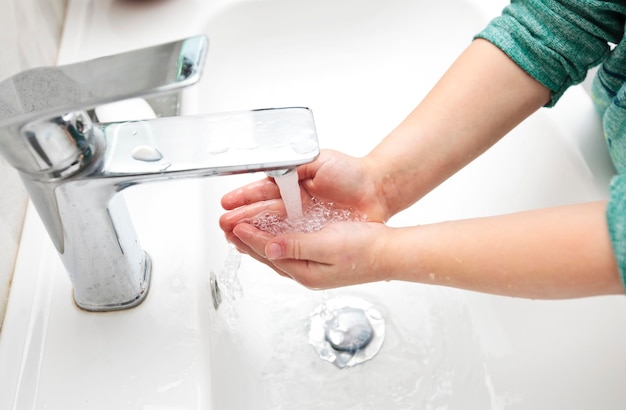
(73, 166)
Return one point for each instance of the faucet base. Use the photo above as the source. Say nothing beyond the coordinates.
(144, 286)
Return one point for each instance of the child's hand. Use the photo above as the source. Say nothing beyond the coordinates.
(347, 182)
(340, 254)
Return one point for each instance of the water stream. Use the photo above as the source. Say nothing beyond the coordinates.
(290, 193)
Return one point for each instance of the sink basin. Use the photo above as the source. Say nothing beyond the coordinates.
(445, 348)
(361, 66)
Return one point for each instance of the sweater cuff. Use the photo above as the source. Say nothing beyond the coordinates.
(548, 41)
(616, 217)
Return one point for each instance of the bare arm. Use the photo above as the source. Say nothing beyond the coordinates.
(553, 253)
(480, 98)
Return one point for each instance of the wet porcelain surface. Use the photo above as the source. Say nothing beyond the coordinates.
(361, 67)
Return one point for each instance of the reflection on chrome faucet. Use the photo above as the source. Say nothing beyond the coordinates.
(73, 167)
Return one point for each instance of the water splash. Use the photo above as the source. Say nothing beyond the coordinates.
(225, 286)
(316, 215)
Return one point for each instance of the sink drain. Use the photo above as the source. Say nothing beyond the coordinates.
(346, 331)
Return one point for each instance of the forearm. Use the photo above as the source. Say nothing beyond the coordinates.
(482, 96)
(552, 253)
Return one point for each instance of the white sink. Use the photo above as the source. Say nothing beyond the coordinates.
(361, 66)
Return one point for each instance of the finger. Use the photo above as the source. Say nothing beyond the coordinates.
(262, 190)
(307, 273)
(253, 238)
(229, 220)
(248, 251)
(293, 263)
(252, 241)
(234, 240)
(313, 247)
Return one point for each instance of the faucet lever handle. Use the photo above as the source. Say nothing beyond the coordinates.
(43, 124)
(48, 92)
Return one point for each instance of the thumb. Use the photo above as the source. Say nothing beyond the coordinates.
(321, 246)
(293, 246)
(274, 251)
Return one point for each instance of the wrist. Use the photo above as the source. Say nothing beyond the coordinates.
(385, 185)
(397, 257)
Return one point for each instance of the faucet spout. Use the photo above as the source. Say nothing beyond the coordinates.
(74, 168)
(210, 145)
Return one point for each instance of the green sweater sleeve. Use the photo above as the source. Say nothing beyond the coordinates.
(557, 41)
(616, 216)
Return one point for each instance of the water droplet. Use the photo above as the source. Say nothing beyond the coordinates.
(146, 153)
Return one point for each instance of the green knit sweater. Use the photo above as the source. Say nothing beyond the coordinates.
(557, 42)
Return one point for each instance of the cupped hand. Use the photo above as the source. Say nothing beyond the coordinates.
(340, 254)
(347, 182)
(312, 258)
